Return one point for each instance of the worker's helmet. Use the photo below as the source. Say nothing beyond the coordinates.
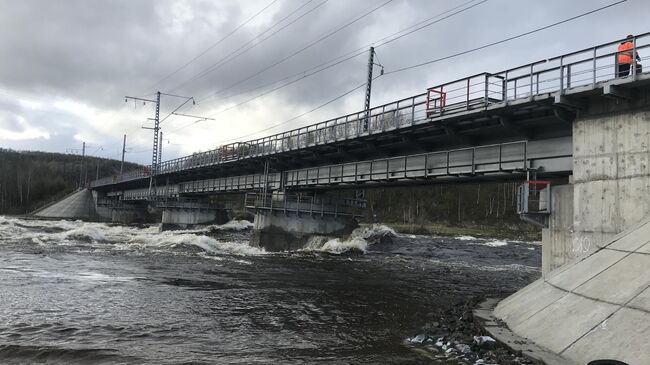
(630, 36)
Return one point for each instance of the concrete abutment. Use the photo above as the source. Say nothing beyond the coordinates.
(610, 185)
(593, 300)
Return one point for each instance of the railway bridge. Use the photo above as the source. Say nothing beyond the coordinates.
(572, 130)
(569, 119)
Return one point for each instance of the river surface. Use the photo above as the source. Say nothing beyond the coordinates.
(74, 292)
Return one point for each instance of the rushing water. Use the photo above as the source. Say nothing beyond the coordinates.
(74, 292)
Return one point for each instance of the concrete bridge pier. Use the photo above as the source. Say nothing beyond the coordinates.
(184, 214)
(286, 222)
(119, 211)
(130, 213)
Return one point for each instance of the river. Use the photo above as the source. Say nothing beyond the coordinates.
(76, 292)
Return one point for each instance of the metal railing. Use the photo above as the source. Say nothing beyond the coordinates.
(534, 197)
(158, 193)
(503, 157)
(189, 204)
(305, 204)
(583, 68)
(231, 183)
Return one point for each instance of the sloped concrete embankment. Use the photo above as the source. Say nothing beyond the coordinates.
(79, 205)
(596, 307)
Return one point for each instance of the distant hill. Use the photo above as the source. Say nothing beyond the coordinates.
(30, 179)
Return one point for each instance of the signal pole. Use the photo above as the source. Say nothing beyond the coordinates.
(156, 152)
(371, 62)
(123, 152)
(361, 194)
(160, 144)
(366, 105)
(81, 168)
(156, 128)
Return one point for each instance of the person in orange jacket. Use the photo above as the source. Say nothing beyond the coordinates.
(626, 56)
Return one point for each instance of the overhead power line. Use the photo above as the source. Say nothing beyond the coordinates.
(232, 55)
(309, 45)
(338, 60)
(300, 115)
(355, 53)
(215, 44)
(457, 54)
(505, 39)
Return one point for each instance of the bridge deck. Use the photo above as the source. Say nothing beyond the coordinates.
(494, 161)
(511, 104)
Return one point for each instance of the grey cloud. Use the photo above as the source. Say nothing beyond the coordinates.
(95, 52)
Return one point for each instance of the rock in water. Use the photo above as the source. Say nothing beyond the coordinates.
(484, 341)
(418, 339)
(465, 349)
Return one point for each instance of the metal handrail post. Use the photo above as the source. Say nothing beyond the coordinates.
(413, 111)
(311, 206)
(447, 162)
(485, 97)
(504, 88)
(387, 168)
(500, 156)
(426, 167)
(532, 68)
(525, 155)
(473, 160)
(634, 54)
(593, 81)
(562, 75)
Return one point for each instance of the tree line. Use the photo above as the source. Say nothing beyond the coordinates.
(30, 179)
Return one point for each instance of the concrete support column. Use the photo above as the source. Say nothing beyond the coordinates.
(183, 218)
(127, 215)
(611, 172)
(277, 231)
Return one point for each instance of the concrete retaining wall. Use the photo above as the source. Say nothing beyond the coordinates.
(79, 205)
(596, 307)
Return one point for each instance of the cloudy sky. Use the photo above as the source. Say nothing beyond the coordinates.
(66, 65)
